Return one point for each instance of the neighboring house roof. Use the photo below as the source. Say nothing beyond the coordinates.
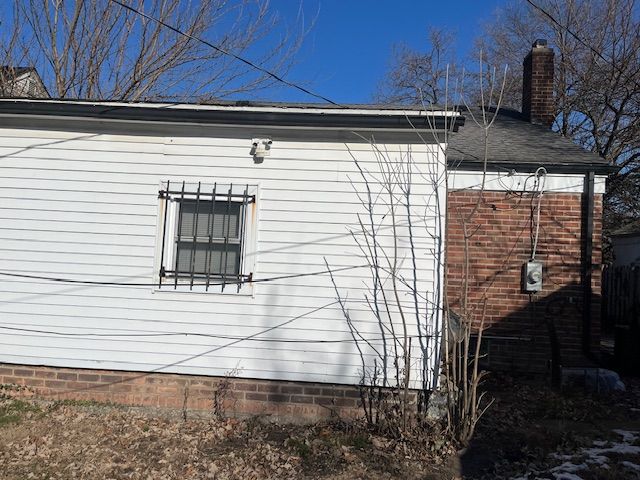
(7, 72)
(630, 229)
(515, 143)
(21, 82)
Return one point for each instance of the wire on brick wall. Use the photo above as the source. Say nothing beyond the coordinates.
(541, 176)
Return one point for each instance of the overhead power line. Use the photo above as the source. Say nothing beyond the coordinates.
(206, 352)
(567, 29)
(107, 336)
(229, 282)
(227, 53)
(583, 42)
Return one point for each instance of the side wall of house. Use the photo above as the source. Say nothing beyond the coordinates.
(82, 204)
(518, 325)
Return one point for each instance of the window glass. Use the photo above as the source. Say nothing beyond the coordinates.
(215, 218)
(215, 259)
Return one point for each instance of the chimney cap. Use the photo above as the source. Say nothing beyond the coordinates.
(540, 43)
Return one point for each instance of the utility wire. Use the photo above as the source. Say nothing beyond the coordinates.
(213, 284)
(583, 42)
(227, 53)
(155, 284)
(192, 334)
(206, 352)
(541, 177)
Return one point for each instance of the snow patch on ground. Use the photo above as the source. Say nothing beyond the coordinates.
(597, 456)
(561, 456)
(627, 436)
(631, 465)
(568, 467)
(566, 476)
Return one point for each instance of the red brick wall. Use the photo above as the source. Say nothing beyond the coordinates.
(516, 324)
(281, 400)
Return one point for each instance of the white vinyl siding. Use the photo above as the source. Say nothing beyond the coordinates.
(83, 205)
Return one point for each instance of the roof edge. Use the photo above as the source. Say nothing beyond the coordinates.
(239, 113)
(476, 165)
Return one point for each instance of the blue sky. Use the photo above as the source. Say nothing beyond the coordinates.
(348, 51)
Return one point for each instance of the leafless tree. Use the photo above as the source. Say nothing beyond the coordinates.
(385, 235)
(415, 76)
(446, 353)
(597, 81)
(10, 55)
(97, 49)
(466, 327)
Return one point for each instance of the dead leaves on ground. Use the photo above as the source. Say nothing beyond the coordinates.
(93, 441)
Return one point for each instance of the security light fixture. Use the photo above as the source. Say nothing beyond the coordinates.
(260, 148)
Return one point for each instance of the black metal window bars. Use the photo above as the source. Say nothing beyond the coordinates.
(206, 235)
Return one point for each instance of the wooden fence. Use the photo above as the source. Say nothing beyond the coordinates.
(621, 313)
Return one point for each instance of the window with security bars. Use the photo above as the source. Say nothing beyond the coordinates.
(205, 235)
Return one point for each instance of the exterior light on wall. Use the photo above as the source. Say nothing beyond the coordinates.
(260, 148)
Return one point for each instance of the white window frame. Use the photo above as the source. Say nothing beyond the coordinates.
(167, 256)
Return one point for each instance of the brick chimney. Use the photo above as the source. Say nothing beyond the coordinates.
(537, 84)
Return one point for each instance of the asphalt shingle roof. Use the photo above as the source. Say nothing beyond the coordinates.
(513, 140)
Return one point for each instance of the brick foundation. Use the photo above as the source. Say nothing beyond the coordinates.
(517, 337)
(290, 401)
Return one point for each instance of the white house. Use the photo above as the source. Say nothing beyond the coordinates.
(150, 249)
(195, 239)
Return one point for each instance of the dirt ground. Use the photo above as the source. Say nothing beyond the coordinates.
(534, 432)
(529, 432)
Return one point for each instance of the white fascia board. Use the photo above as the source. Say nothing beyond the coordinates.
(521, 182)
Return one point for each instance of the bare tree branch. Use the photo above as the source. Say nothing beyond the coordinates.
(95, 49)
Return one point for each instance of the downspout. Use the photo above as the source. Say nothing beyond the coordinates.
(587, 261)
